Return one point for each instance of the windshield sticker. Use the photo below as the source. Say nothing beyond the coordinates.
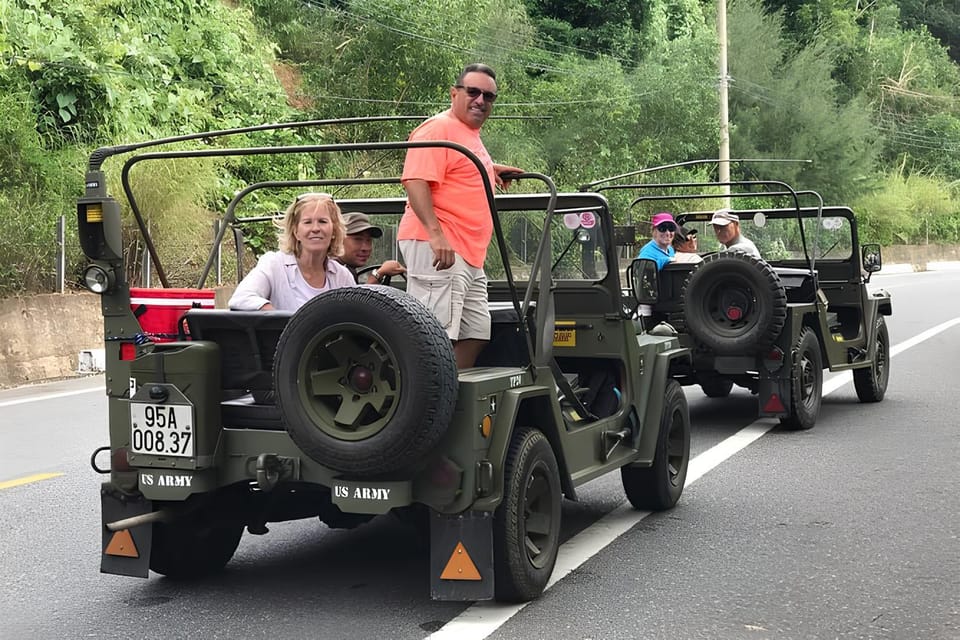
(832, 224)
(588, 220)
(759, 219)
(571, 220)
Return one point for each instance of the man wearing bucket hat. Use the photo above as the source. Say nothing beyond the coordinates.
(660, 248)
(726, 224)
(358, 245)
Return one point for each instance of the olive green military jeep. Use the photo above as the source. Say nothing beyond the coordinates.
(371, 414)
(773, 325)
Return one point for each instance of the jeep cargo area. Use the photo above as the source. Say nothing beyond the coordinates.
(352, 407)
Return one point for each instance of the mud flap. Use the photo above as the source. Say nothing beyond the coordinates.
(125, 552)
(774, 397)
(461, 556)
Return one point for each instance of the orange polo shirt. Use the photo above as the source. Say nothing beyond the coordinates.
(459, 199)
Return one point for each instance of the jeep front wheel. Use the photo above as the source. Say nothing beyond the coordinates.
(659, 486)
(871, 382)
(366, 380)
(806, 383)
(526, 525)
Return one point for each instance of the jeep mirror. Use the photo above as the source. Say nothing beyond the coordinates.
(872, 262)
(643, 281)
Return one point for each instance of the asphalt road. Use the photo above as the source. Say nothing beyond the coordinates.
(850, 530)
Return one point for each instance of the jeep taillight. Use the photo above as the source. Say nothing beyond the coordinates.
(128, 351)
(773, 360)
(119, 461)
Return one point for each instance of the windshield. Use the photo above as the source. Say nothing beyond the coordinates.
(576, 242)
(777, 235)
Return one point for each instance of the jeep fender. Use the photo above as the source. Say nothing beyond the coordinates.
(524, 407)
(661, 366)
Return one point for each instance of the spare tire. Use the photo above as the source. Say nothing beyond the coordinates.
(366, 380)
(734, 303)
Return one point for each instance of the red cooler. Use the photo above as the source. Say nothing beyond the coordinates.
(159, 310)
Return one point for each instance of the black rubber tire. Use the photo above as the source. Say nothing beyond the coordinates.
(366, 380)
(806, 383)
(871, 383)
(734, 303)
(715, 386)
(526, 525)
(193, 549)
(658, 487)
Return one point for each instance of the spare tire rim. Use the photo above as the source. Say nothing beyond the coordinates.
(349, 381)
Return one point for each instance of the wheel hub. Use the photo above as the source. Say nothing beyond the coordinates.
(734, 313)
(360, 379)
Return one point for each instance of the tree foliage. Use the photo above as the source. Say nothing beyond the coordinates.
(865, 90)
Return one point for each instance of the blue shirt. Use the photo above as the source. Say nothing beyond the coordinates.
(652, 251)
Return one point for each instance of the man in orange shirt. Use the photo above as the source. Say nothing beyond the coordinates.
(446, 226)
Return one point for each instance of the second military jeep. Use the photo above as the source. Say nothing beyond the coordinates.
(773, 325)
(371, 415)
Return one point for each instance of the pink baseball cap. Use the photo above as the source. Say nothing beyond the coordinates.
(663, 216)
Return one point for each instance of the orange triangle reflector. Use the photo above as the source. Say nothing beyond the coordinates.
(460, 566)
(121, 544)
(774, 405)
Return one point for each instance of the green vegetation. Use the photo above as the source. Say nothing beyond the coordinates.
(868, 92)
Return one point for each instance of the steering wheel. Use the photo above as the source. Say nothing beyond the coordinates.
(373, 267)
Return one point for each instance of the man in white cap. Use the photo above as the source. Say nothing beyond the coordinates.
(358, 245)
(726, 224)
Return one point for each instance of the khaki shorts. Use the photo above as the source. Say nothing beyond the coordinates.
(457, 296)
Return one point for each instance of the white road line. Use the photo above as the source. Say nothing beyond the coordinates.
(483, 618)
(52, 396)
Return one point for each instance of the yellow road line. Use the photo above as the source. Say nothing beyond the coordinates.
(37, 477)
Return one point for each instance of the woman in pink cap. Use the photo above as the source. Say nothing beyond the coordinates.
(660, 248)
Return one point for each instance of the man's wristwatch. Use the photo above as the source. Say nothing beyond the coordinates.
(376, 275)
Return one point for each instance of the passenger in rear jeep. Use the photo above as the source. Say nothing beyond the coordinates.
(311, 236)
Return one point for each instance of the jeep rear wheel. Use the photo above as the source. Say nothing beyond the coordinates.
(191, 549)
(659, 486)
(871, 383)
(526, 525)
(366, 380)
(806, 383)
(734, 303)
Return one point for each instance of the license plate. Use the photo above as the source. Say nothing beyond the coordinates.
(162, 429)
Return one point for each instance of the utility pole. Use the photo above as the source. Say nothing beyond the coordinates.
(724, 168)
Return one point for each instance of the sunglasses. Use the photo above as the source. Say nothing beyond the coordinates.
(664, 227)
(474, 93)
(314, 195)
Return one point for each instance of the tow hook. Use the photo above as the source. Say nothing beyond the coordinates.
(268, 471)
(93, 459)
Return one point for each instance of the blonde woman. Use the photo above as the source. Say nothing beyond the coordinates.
(311, 236)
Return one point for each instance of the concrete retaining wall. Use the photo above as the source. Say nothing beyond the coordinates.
(42, 335)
